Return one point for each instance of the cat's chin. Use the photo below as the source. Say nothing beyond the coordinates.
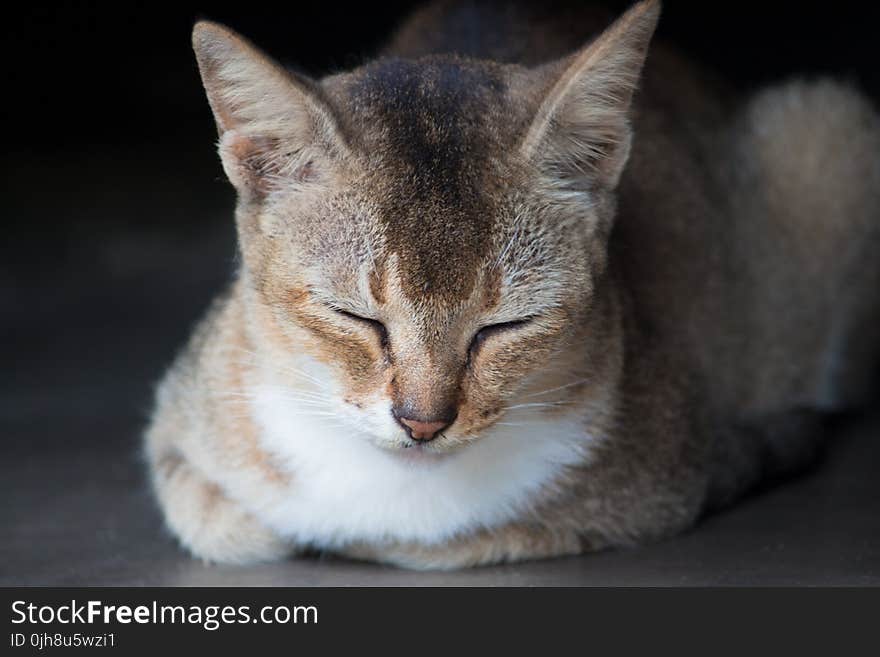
(417, 453)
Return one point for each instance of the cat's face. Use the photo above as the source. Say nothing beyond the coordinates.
(419, 311)
(422, 239)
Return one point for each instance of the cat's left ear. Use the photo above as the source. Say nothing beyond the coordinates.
(272, 123)
(581, 133)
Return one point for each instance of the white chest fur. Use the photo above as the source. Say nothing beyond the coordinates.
(346, 489)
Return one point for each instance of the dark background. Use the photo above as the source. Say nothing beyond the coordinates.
(118, 230)
(112, 75)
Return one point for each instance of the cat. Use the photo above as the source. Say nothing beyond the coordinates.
(504, 295)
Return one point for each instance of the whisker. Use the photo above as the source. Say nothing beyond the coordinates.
(536, 405)
(303, 405)
(297, 393)
(257, 358)
(282, 392)
(549, 390)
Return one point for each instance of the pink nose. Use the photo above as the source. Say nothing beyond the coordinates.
(418, 430)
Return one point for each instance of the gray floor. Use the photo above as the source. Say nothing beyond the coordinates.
(93, 315)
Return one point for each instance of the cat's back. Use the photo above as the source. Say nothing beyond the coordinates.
(531, 34)
(508, 32)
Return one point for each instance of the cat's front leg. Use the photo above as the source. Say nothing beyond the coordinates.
(516, 542)
(208, 523)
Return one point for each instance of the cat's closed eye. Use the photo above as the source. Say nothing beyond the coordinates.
(375, 324)
(494, 329)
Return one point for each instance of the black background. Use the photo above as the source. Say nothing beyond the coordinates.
(87, 73)
(107, 75)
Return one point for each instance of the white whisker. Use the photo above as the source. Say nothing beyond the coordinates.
(536, 405)
(549, 390)
(287, 396)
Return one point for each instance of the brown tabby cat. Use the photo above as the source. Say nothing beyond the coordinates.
(488, 311)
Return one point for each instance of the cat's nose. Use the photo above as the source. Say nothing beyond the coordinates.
(425, 429)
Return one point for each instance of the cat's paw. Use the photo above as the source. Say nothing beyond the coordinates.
(209, 524)
(508, 544)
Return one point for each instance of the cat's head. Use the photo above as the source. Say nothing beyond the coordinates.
(431, 231)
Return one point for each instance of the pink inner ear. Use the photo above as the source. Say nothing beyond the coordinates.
(262, 162)
(257, 154)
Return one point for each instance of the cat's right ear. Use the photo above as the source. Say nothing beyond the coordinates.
(272, 123)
